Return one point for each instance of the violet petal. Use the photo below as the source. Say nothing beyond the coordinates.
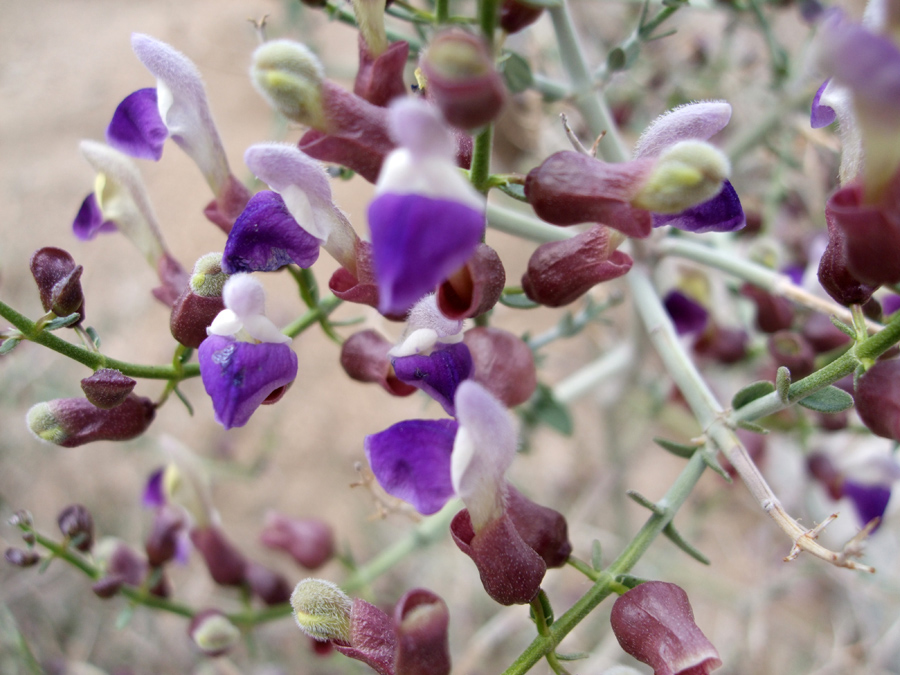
(722, 213)
(821, 115)
(871, 501)
(437, 374)
(89, 220)
(154, 494)
(411, 461)
(266, 237)
(418, 242)
(238, 376)
(137, 128)
(688, 315)
(693, 121)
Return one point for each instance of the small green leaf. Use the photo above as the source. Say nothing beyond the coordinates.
(577, 656)
(630, 580)
(677, 449)
(783, 383)
(63, 321)
(8, 345)
(596, 555)
(646, 503)
(828, 400)
(751, 392)
(844, 328)
(183, 399)
(518, 301)
(514, 190)
(752, 426)
(545, 409)
(710, 459)
(680, 542)
(615, 60)
(516, 72)
(95, 338)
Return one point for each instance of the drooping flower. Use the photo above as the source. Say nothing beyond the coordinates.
(426, 220)
(675, 178)
(379, 78)
(246, 360)
(309, 541)
(120, 202)
(178, 109)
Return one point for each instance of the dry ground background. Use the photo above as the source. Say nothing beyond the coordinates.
(63, 68)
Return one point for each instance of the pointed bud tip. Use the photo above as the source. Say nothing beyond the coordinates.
(322, 609)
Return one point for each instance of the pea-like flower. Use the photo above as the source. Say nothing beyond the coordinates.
(246, 360)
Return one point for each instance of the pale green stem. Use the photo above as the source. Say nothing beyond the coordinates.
(524, 226)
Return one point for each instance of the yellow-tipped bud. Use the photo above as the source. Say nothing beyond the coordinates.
(370, 17)
(686, 174)
(208, 278)
(213, 633)
(289, 76)
(44, 425)
(322, 610)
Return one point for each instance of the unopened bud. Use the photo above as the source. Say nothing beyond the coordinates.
(108, 587)
(289, 76)
(59, 281)
(269, 586)
(364, 357)
(322, 610)
(685, 174)
(107, 388)
(462, 80)
(773, 312)
(518, 14)
(725, 345)
(791, 350)
(208, 279)
(226, 565)
(162, 542)
(308, 540)
(77, 525)
(70, 422)
(200, 303)
(21, 558)
(21, 518)
(878, 399)
(421, 619)
(213, 633)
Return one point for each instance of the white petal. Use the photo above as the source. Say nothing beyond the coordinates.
(261, 328)
(226, 323)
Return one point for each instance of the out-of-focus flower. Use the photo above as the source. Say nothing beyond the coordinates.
(878, 398)
(76, 522)
(120, 202)
(688, 315)
(426, 219)
(518, 14)
(654, 623)
(178, 109)
(676, 178)
(246, 359)
(70, 422)
(309, 541)
(379, 78)
(213, 633)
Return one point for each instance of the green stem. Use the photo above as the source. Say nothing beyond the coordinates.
(524, 226)
(480, 173)
(325, 307)
(441, 11)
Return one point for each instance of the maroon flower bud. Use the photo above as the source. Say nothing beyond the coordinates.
(127, 565)
(421, 619)
(268, 585)
(822, 334)
(200, 303)
(878, 399)
(364, 357)
(77, 525)
(107, 587)
(308, 540)
(518, 14)
(379, 79)
(475, 288)
(162, 542)
(58, 280)
(560, 272)
(791, 350)
(213, 633)
(504, 364)
(654, 623)
(462, 80)
(823, 470)
(21, 558)
(70, 422)
(510, 570)
(571, 188)
(773, 313)
(834, 271)
(543, 529)
(226, 565)
(725, 345)
(107, 388)
(372, 639)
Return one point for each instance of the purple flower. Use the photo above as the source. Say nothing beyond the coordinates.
(426, 220)
(688, 315)
(176, 108)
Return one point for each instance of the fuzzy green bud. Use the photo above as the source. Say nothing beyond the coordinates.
(208, 279)
(289, 76)
(213, 633)
(370, 17)
(322, 610)
(686, 174)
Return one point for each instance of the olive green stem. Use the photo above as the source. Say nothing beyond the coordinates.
(441, 11)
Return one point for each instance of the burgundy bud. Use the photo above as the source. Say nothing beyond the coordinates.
(725, 345)
(504, 364)
(773, 313)
(70, 422)
(461, 79)
(213, 633)
(569, 188)
(559, 272)
(518, 14)
(21, 558)
(510, 570)
(822, 334)
(308, 540)
(878, 399)
(834, 270)
(126, 565)
(268, 585)
(654, 623)
(58, 280)
(107, 388)
(475, 288)
(372, 639)
(77, 525)
(421, 619)
(379, 79)
(364, 357)
(162, 542)
(226, 565)
(791, 350)
(820, 467)
(191, 315)
(107, 587)
(543, 529)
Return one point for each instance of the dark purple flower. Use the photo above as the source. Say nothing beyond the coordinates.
(154, 493)
(722, 213)
(438, 374)
(411, 461)
(137, 128)
(871, 501)
(89, 220)
(265, 237)
(688, 315)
